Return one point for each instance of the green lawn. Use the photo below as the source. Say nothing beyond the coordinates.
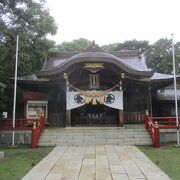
(167, 158)
(19, 160)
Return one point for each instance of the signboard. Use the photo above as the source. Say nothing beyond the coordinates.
(5, 115)
(35, 109)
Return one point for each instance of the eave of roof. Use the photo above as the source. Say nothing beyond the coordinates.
(95, 57)
(29, 95)
(32, 78)
(167, 95)
(163, 77)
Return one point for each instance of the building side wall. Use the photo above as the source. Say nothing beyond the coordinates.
(57, 107)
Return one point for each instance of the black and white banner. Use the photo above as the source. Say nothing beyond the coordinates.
(74, 100)
(113, 99)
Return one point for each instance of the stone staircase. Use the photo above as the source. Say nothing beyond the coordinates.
(128, 135)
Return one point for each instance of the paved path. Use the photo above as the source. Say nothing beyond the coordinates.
(96, 163)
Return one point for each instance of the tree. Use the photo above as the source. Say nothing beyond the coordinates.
(110, 47)
(159, 56)
(77, 45)
(127, 45)
(3, 101)
(31, 20)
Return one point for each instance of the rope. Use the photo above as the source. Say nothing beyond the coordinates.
(94, 93)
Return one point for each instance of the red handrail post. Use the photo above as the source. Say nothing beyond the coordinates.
(33, 136)
(156, 135)
(37, 131)
(146, 118)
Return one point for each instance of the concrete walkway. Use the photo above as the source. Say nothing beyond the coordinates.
(96, 163)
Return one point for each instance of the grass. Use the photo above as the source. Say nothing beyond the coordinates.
(167, 158)
(19, 160)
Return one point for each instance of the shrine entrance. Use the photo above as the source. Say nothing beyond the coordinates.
(94, 95)
(98, 115)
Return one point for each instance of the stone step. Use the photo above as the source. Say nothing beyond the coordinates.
(97, 132)
(109, 142)
(99, 136)
(44, 136)
(105, 131)
(93, 139)
(95, 136)
(65, 130)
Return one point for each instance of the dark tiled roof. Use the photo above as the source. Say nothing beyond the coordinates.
(120, 54)
(131, 62)
(132, 57)
(33, 78)
(29, 95)
(162, 77)
(167, 94)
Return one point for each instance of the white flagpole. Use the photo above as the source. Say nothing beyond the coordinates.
(15, 87)
(175, 92)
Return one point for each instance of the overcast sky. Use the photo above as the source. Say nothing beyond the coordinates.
(110, 21)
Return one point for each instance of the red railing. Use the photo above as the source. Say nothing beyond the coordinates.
(35, 125)
(20, 124)
(37, 131)
(166, 122)
(153, 129)
(154, 124)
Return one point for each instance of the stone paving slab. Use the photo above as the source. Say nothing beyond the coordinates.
(100, 162)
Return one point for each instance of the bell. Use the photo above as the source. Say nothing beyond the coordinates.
(94, 102)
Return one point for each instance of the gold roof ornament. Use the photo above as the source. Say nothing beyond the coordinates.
(94, 67)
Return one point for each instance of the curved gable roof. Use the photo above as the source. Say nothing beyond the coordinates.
(124, 64)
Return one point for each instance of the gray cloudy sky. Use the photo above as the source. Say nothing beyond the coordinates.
(110, 21)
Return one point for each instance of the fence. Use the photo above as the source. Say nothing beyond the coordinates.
(154, 124)
(35, 125)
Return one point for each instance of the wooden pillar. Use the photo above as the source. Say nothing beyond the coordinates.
(150, 100)
(68, 117)
(68, 112)
(121, 111)
(121, 117)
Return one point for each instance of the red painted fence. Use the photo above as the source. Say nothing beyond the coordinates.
(154, 124)
(37, 131)
(153, 129)
(166, 122)
(35, 125)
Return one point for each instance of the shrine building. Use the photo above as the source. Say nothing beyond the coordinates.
(95, 88)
